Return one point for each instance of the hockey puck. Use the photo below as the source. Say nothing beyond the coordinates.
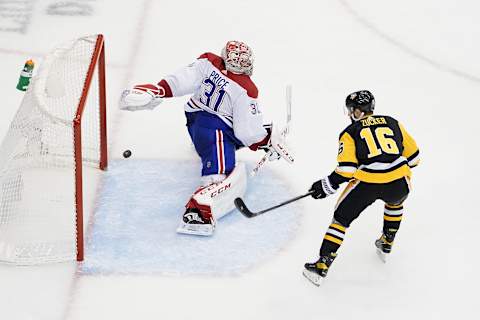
(127, 153)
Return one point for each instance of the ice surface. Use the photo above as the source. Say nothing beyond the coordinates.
(325, 51)
(141, 204)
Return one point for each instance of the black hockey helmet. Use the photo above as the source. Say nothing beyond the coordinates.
(362, 100)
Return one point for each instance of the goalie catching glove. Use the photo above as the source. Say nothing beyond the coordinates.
(323, 188)
(142, 97)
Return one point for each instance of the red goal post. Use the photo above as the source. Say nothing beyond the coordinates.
(97, 61)
(59, 127)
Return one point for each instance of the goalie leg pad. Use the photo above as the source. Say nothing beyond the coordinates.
(212, 202)
(219, 196)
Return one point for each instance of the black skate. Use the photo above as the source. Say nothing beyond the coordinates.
(384, 245)
(317, 271)
(194, 223)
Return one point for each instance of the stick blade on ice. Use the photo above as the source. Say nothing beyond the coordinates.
(241, 206)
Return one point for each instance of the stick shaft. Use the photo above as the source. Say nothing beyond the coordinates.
(285, 202)
(242, 207)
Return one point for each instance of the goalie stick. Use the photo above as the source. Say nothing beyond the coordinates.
(242, 207)
(283, 133)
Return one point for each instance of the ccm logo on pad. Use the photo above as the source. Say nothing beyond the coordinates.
(220, 190)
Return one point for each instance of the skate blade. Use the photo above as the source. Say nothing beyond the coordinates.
(382, 255)
(197, 230)
(313, 277)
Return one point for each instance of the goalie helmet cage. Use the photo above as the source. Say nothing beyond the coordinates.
(59, 127)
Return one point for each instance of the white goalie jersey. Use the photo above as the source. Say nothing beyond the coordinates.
(231, 97)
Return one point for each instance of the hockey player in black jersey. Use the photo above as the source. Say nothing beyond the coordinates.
(375, 156)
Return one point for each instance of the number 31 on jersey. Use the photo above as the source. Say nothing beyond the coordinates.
(213, 94)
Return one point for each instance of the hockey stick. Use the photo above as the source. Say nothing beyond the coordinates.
(242, 207)
(284, 133)
(288, 99)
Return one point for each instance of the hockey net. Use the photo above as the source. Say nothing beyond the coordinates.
(60, 126)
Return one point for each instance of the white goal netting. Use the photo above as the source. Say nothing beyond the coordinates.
(39, 188)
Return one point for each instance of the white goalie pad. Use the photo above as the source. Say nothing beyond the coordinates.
(134, 100)
(220, 196)
(218, 199)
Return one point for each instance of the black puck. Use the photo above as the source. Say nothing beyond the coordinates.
(127, 153)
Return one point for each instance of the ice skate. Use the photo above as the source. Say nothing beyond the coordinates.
(384, 245)
(194, 223)
(317, 271)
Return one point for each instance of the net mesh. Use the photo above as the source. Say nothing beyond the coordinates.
(37, 162)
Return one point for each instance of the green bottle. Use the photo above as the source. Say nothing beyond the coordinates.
(25, 75)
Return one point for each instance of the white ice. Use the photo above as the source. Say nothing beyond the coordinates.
(419, 58)
(140, 206)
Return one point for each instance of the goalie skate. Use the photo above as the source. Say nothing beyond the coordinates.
(192, 223)
(196, 229)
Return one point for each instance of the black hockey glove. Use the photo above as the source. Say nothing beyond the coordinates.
(323, 188)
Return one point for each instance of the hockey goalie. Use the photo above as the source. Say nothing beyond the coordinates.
(223, 116)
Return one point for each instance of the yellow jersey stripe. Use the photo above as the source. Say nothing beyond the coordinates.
(383, 177)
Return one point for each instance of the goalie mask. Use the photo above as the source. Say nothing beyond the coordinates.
(238, 57)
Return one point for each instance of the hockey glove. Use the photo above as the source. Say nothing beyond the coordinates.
(142, 97)
(323, 188)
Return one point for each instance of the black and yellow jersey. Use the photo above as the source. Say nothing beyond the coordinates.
(375, 149)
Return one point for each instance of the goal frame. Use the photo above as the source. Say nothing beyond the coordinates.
(97, 62)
